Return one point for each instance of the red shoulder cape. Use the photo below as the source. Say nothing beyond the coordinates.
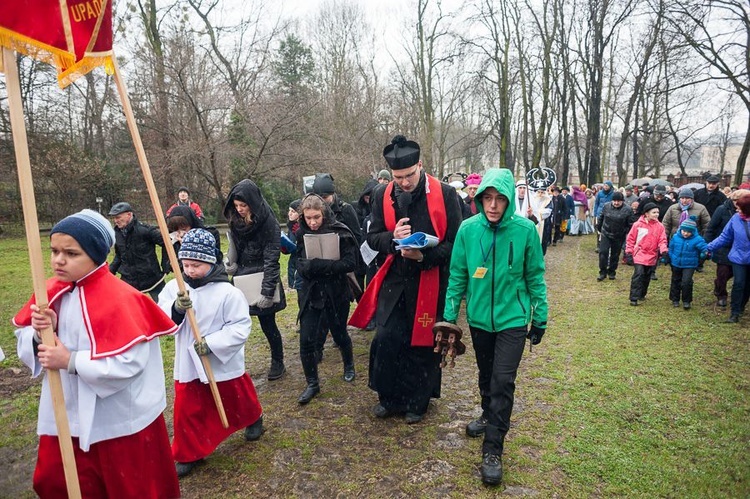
(116, 315)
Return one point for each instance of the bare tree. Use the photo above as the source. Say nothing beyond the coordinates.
(719, 32)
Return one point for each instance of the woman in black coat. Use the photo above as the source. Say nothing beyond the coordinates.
(256, 237)
(324, 291)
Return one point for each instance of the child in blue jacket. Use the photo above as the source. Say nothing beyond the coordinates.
(687, 250)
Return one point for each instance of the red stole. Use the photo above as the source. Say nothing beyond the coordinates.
(429, 280)
(115, 314)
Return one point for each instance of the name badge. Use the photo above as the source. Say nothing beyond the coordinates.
(480, 273)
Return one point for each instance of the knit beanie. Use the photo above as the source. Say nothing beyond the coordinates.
(198, 244)
(686, 193)
(385, 174)
(91, 230)
(689, 225)
(323, 184)
(473, 179)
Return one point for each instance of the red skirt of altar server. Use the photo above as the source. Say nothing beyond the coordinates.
(197, 426)
(138, 465)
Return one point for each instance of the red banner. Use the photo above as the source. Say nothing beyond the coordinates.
(75, 36)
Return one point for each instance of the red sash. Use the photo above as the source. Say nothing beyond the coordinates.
(115, 314)
(429, 280)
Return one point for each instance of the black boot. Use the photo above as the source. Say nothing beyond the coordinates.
(310, 366)
(347, 355)
(277, 369)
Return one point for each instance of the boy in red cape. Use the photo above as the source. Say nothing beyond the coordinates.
(107, 351)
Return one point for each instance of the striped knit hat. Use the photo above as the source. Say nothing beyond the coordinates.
(198, 244)
(689, 225)
(91, 230)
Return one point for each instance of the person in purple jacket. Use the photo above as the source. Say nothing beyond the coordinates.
(737, 235)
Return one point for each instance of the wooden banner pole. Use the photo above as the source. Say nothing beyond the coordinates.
(141, 153)
(28, 201)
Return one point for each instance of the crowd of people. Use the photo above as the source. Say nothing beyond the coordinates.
(486, 239)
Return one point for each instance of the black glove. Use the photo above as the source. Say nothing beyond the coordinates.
(665, 259)
(535, 334)
(201, 347)
(303, 266)
(629, 259)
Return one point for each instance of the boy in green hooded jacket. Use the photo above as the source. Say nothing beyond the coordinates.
(497, 263)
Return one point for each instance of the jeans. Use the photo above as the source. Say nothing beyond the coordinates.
(740, 288)
(498, 356)
(640, 281)
(681, 285)
(609, 254)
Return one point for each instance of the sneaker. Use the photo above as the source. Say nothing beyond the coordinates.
(184, 469)
(492, 469)
(477, 427)
(380, 412)
(611, 277)
(601, 277)
(634, 303)
(413, 417)
(277, 369)
(722, 302)
(255, 430)
(676, 303)
(733, 319)
(686, 305)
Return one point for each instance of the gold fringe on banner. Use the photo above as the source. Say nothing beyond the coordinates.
(35, 49)
(85, 65)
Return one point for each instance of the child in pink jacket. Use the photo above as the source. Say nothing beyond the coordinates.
(645, 242)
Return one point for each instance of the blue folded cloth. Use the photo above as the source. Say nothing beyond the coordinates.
(418, 240)
(287, 245)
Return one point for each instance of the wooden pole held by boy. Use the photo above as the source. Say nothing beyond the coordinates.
(31, 222)
(141, 153)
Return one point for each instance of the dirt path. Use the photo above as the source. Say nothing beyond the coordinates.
(335, 447)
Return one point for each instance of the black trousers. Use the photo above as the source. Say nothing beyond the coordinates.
(273, 335)
(609, 255)
(310, 324)
(498, 356)
(559, 234)
(681, 285)
(640, 281)
(723, 274)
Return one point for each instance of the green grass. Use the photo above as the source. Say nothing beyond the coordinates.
(618, 401)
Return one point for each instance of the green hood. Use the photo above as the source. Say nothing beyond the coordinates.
(502, 180)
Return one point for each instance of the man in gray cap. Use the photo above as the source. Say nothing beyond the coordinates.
(629, 198)
(135, 252)
(683, 209)
(659, 198)
(710, 196)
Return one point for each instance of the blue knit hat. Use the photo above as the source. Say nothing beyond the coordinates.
(198, 244)
(689, 225)
(91, 230)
